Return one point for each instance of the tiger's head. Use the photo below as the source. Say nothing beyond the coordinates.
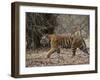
(44, 40)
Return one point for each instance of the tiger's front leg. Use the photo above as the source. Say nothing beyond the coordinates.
(50, 52)
(54, 46)
(73, 51)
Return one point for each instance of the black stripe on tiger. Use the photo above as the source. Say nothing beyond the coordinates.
(74, 43)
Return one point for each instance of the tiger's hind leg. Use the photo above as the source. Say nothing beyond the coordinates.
(84, 49)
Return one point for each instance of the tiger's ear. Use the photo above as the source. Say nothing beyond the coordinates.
(44, 34)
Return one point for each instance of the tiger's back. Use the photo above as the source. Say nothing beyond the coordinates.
(64, 41)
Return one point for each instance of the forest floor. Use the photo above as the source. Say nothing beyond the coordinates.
(38, 58)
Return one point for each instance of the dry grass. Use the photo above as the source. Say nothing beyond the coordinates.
(64, 58)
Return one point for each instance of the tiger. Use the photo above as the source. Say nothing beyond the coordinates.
(58, 41)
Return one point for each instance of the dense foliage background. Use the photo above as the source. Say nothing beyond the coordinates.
(38, 24)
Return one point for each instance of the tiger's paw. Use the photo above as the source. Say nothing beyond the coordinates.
(49, 61)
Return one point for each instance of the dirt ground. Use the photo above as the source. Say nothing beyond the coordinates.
(38, 58)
